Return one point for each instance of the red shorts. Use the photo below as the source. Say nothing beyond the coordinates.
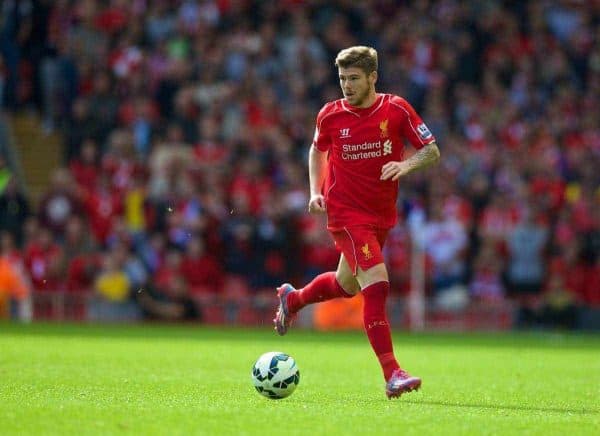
(361, 246)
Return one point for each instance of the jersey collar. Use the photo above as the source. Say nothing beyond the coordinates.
(364, 112)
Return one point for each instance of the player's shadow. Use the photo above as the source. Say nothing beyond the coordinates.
(504, 407)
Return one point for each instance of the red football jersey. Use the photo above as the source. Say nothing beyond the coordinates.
(359, 142)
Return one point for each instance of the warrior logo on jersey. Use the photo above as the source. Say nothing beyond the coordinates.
(344, 133)
(383, 126)
(423, 131)
(366, 251)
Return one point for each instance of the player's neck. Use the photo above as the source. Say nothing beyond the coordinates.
(369, 101)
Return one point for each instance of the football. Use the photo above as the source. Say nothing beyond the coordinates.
(275, 375)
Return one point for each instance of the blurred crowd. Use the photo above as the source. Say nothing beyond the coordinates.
(187, 123)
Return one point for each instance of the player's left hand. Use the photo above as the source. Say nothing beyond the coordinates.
(394, 170)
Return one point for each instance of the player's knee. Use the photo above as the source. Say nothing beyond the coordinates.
(351, 288)
(348, 283)
(376, 274)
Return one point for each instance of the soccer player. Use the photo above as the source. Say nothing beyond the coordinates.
(355, 162)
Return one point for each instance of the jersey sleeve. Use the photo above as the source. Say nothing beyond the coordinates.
(412, 126)
(322, 139)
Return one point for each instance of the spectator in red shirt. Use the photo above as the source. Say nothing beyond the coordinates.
(169, 274)
(113, 18)
(44, 262)
(318, 250)
(84, 167)
(81, 272)
(398, 258)
(250, 181)
(201, 270)
(103, 205)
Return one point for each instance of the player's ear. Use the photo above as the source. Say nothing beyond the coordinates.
(373, 77)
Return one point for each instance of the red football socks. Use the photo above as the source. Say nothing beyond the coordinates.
(323, 287)
(377, 326)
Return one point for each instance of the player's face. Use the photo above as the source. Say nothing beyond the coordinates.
(358, 87)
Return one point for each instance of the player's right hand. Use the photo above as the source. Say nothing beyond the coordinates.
(316, 204)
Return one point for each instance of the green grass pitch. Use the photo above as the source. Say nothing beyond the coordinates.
(164, 380)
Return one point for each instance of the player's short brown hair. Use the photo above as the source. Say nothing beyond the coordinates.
(358, 56)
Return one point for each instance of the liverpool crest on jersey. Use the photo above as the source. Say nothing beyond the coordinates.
(366, 251)
(383, 126)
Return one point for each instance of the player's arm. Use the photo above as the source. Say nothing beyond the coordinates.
(317, 169)
(424, 157)
(416, 132)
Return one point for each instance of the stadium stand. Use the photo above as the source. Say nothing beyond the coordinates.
(185, 126)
